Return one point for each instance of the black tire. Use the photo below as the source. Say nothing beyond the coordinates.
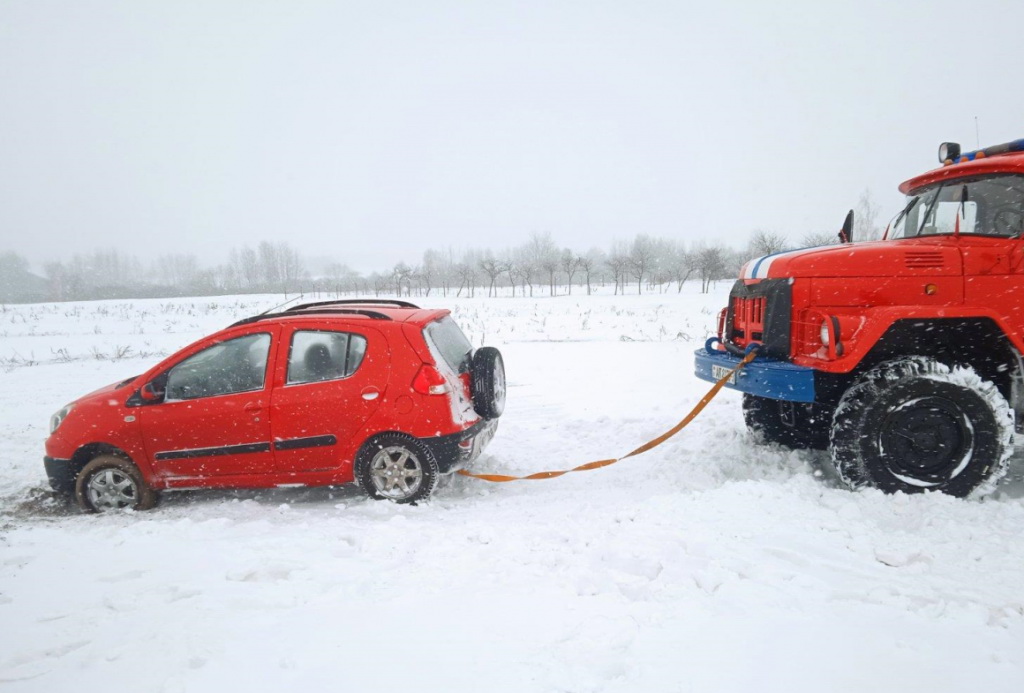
(488, 373)
(915, 424)
(396, 467)
(109, 483)
(792, 424)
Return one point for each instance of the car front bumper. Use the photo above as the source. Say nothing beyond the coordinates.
(763, 377)
(60, 474)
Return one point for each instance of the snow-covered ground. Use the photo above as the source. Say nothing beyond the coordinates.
(708, 564)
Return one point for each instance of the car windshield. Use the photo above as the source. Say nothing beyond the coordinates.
(992, 206)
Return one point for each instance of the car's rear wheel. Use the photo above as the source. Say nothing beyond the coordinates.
(109, 483)
(488, 371)
(397, 468)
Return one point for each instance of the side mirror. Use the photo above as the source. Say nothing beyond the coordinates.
(846, 234)
(148, 393)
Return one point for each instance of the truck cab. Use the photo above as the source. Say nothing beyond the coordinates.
(901, 356)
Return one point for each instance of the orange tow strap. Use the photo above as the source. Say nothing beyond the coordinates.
(500, 478)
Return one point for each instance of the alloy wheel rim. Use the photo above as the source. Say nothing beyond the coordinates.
(112, 489)
(396, 472)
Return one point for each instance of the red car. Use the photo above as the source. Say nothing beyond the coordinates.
(382, 393)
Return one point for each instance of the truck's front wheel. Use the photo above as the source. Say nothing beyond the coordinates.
(915, 424)
(792, 424)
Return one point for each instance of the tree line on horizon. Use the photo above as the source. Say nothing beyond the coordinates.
(537, 267)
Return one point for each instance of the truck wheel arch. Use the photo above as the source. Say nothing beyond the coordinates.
(976, 342)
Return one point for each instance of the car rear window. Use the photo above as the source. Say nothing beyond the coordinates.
(448, 339)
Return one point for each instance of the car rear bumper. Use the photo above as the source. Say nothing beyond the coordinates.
(763, 377)
(459, 449)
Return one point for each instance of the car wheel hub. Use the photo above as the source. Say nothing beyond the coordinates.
(112, 489)
(396, 472)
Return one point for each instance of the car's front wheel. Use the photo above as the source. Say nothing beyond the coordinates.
(397, 468)
(110, 483)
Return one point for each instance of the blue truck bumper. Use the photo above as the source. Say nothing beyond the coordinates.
(763, 376)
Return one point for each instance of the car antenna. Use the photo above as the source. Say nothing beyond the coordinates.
(282, 305)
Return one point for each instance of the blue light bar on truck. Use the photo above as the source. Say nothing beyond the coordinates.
(949, 152)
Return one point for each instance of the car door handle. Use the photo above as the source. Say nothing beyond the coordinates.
(371, 393)
(253, 407)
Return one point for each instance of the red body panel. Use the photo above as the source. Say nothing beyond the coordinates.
(303, 433)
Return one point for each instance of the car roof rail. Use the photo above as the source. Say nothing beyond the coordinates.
(372, 314)
(353, 301)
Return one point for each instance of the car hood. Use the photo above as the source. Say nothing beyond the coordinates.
(869, 259)
(104, 393)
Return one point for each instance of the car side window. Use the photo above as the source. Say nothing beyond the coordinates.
(318, 355)
(228, 367)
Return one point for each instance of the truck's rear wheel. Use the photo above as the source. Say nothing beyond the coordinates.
(792, 424)
(915, 424)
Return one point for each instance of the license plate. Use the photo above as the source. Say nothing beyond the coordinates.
(719, 372)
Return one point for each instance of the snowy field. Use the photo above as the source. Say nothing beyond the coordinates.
(708, 564)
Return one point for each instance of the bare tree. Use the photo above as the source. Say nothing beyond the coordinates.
(246, 267)
(467, 278)
(544, 257)
(511, 268)
(492, 268)
(570, 264)
(618, 262)
(710, 262)
(766, 243)
(549, 264)
(865, 219)
(818, 238)
(641, 259)
(430, 269)
(401, 275)
(178, 270)
(526, 264)
(380, 283)
(588, 263)
(682, 265)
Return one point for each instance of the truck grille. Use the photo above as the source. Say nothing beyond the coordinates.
(748, 319)
(760, 313)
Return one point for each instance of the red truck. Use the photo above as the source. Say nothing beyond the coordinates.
(902, 356)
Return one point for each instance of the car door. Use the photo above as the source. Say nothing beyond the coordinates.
(212, 419)
(333, 382)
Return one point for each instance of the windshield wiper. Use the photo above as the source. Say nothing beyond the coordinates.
(905, 212)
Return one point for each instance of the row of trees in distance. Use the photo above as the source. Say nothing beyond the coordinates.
(536, 267)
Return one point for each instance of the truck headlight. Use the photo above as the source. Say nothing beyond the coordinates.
(824, 333)
(57, 419)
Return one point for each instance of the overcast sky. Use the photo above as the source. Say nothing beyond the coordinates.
(371, 131)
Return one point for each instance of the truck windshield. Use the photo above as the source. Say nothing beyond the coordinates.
(992, 206)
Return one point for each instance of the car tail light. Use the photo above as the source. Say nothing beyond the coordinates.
(430, 382)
